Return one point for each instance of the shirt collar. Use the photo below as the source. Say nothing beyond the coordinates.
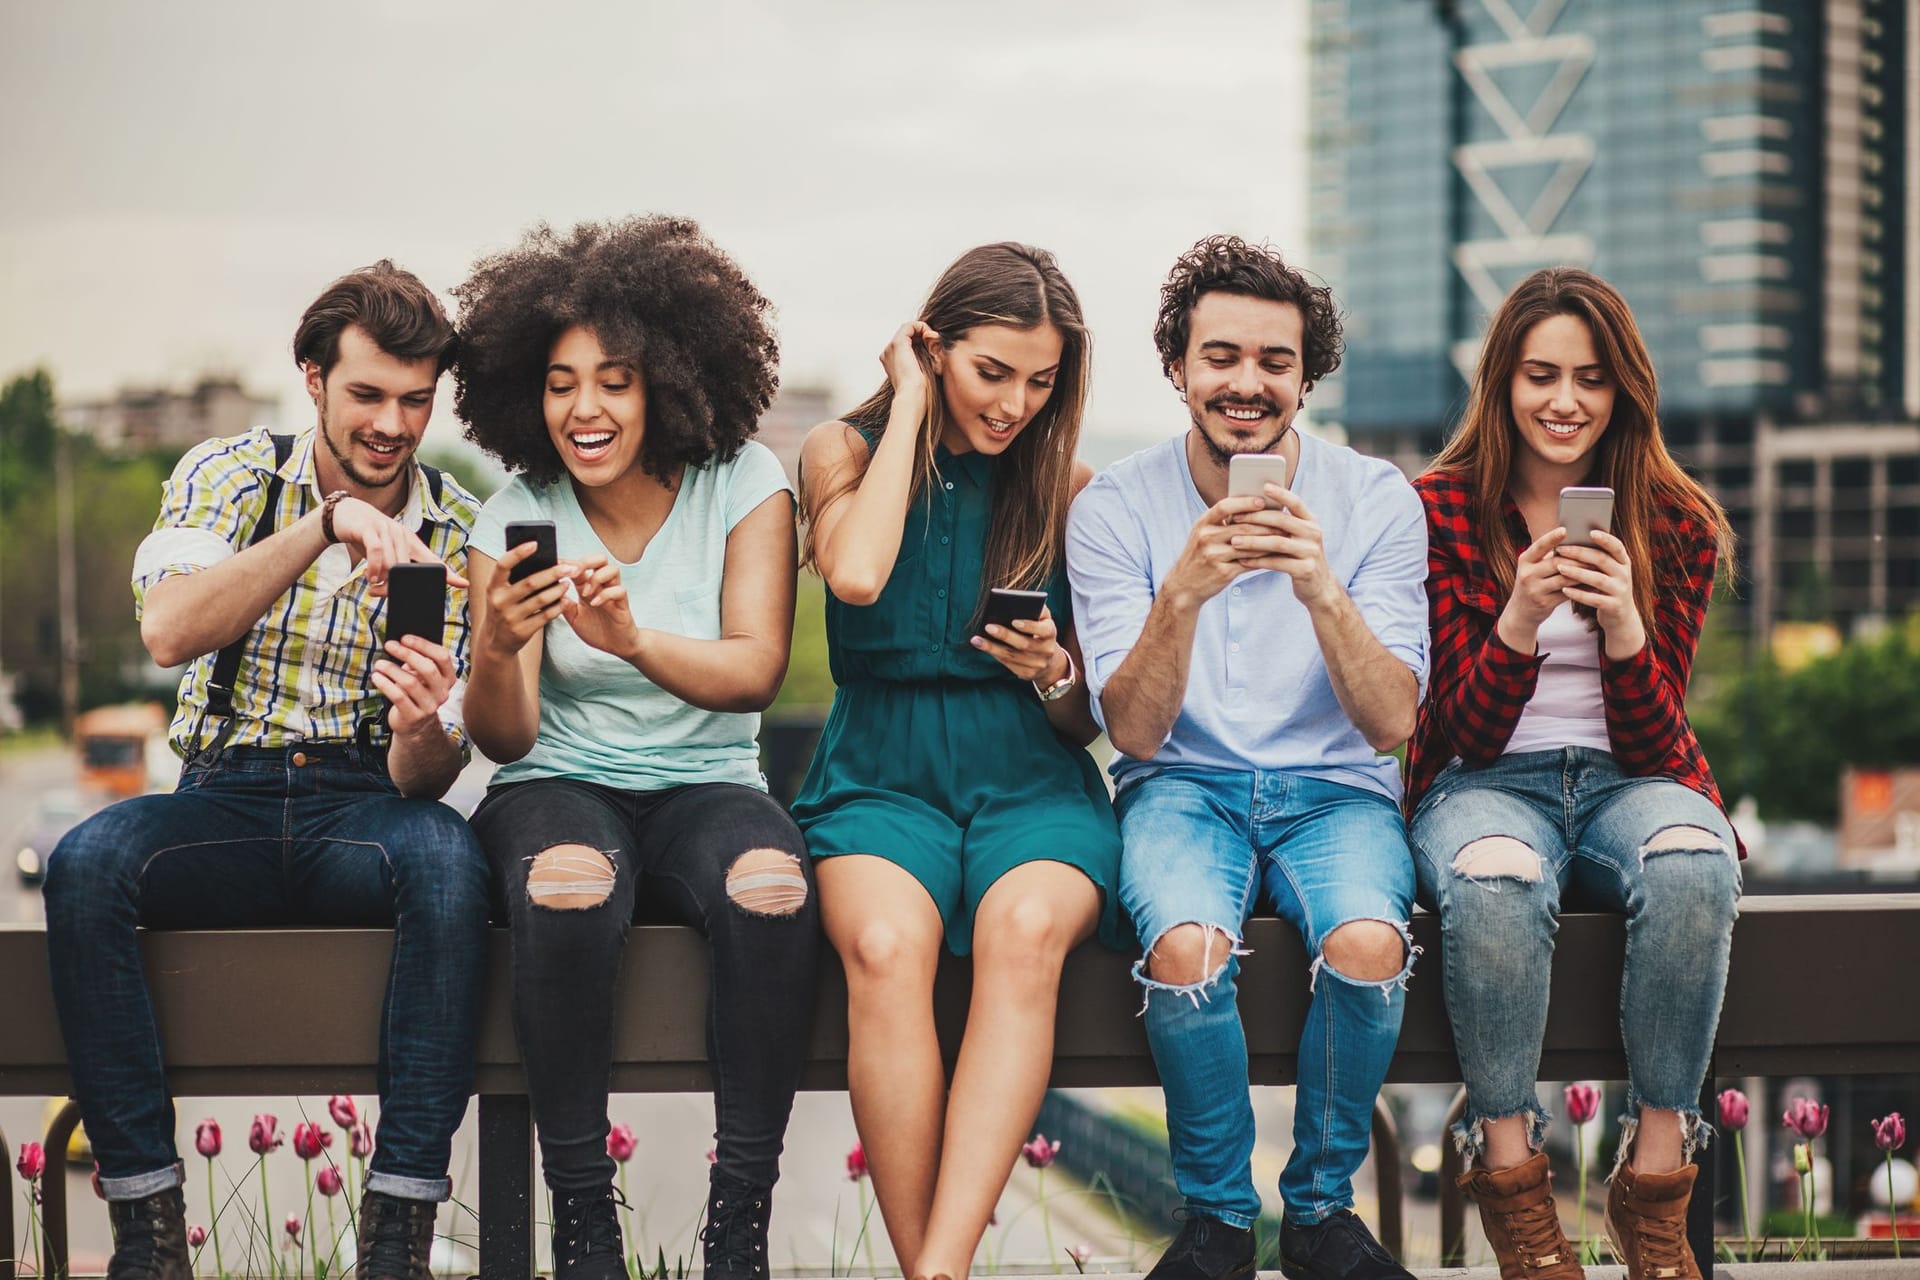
(972, 466)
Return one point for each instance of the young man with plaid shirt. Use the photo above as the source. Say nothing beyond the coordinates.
(315, 758)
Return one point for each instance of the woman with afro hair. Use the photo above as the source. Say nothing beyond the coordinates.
(620, 369)
(951, 799)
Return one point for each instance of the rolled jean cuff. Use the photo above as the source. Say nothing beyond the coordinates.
(1470, 1131)
(142, 1185)
(392, 1184)
(1695, 1131)
(1241, 1221)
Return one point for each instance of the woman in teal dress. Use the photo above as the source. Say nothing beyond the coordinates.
(952, 799)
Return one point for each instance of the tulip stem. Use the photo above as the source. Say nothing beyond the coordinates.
(266, 1219)
(213, 1205)
(1893, 1206)
(33, 1229)
(631, 1262)
(1580, 1154)
(866, 1237)
(1746, 1218)
(1046, 1215)
(313, 1246)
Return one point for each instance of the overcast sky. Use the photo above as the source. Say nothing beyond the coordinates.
(178, 180)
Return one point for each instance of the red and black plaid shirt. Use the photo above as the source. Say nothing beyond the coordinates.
(1479, 686)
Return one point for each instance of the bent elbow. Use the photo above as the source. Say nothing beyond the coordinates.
(854, 589)
(165, 647)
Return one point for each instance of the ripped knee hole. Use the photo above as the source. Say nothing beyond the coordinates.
(1190, 958)
(767, 882)
(1683, 839)
(1493, 856)
(570, 877)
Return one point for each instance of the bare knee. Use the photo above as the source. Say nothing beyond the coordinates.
(881, 952)
(1366, 950)
(1189, 953)
(1496, 857)
(1683, 839)
(767, 882)
(569, 877)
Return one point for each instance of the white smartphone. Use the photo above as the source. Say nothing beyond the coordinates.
(1584, 510)
(1248, 473)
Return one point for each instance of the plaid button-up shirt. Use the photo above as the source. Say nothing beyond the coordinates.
(306, 671)
(1479, 686)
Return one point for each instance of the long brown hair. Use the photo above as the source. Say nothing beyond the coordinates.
(1631, 457)
(1022, 287)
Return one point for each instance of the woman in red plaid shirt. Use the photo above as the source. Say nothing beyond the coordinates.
(1553, 760)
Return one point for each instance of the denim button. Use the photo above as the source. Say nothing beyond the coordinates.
(299, 758)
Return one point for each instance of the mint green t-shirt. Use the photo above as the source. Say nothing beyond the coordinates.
(601, 720)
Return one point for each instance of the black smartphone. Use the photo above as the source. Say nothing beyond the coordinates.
(1005, 604)
(540, 534)
(417, 601)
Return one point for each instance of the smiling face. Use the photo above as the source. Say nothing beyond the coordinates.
(1241, 374)
(373, 409)
(595, 407)
(1562, 395)
(995, 379)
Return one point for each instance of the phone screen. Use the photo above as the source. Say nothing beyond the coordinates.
(417, 601)
(540, 533)
(1005, 605)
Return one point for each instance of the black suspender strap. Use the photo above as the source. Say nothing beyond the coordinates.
(226, 666)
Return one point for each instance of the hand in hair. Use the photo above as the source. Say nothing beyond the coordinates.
(1601, 577)
(1538, 589)
(907, 368)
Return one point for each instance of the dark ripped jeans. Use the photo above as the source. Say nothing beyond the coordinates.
(572, 861)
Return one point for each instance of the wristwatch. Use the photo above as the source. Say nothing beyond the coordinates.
(1059, 688)
(327, 505)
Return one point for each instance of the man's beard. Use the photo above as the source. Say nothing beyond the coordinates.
(346, 461)
(1224, 456)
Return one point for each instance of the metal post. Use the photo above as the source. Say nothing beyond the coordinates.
(1453, 1205)
(1700, 1208)
(1386, 1177)
(506, 1187)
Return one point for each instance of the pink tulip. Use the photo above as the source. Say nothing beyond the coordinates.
(327, 1182)
(264, 1136)
(360, 1141)
(309, 1140)
(344, 1113)
(620, 1143)
(1890, 1132)
(196, 1236)
(713, 1155)
(206, 1137)
(293, 1227)
(856, 1163)
(1733, 1109)
(1080, 1253)
(32, 1162)
(1040, 1153)
(1806, 1118)
(1583, 1102)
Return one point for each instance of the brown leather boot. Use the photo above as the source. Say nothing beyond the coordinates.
(1521, 1221)
(149, 1238)
(1647, 1223)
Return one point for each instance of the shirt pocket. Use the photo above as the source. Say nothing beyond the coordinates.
(699, 609)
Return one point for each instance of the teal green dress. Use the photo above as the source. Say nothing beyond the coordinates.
(935, 757)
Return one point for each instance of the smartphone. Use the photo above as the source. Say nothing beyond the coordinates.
(1583, 510)
(540, 534)
(417, 601)
(1005, 604)
(1248, 473)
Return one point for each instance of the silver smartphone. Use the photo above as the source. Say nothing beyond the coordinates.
(1584, 509)
(1248, 473)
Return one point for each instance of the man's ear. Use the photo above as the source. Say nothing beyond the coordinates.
(316, 382)
(1177, 370)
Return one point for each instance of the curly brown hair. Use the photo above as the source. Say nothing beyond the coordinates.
(1228, 264)
(656, 293)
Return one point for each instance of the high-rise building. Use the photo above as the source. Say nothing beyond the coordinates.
(1744, 171)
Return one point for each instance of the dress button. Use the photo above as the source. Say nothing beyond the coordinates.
(942, 593)
(944, 539)
(933, 648)
(949, 484)
(299, 758)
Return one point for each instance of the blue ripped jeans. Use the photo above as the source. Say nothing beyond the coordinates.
(1205, 846)
(1499, 849)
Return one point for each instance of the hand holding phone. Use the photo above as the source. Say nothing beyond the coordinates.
(1005, 606)
(546, 547)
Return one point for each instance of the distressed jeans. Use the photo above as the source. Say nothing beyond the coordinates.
(1206, 846)
(271, 838)
(1500, 849)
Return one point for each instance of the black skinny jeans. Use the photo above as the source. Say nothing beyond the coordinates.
(670, 851)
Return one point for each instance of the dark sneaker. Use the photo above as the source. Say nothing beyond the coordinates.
(1206, 1249)
(734, 1241)
(396, 1238)
(149, 1237)
(1338, 1247)
(586, 1236)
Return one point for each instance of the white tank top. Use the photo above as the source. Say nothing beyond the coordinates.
(1567, 708)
